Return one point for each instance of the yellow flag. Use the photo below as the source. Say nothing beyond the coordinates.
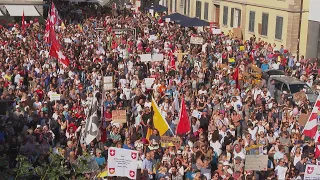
(149, 133)
(158, 121)
(80, 28)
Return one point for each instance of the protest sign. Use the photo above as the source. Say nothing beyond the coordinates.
(303, 118)
(157, 57)
(256, 163)
(167, 20)
(196, 40)
(312, 172)
(153, 37)
(149, 82)
(216, 31)
(119, 116)
(54, 97)
(151, 57)
(237, 33)
(107, 79)
(107, 83)
(299, 96)
(122, 162)
(170, 141)
(196, 114)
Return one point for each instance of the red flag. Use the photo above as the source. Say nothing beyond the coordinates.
(23, 23)
(55, 50)
(46, 37)
(311, 127)
(184, 123)
(236, 77)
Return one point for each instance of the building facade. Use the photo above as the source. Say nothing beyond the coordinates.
(313, 35)
(274, 21)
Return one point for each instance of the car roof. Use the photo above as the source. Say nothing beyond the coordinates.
(288, 80)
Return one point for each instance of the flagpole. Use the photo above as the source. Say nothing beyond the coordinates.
(162, 116)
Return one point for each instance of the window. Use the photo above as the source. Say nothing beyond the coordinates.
(198, 9)
(265, 19)
(185, 6)
(206, 11)
(235, 18)
(279, 25)
(252, 18)
(225, 15)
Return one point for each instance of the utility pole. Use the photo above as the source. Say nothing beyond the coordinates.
(299, 31)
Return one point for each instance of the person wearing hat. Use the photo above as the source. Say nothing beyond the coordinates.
(99, 158)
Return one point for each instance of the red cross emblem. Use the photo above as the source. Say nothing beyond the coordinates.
(310, 170)
(132, 173)
(134, 155)
(111, 170)
(112, 152)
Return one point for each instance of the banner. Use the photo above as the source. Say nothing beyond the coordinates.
(107, 83)
(256, 163)
(299, 96)
(151, 57)
(122, 162)
(312, 172)
(170, 141)
(119, 116)
(196, 40)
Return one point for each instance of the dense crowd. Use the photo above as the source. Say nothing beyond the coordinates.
(237, 115)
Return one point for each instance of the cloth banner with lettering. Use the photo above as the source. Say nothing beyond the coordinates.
(122, 162)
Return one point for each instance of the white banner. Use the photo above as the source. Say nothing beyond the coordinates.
(122, 162)
(151, 57)
(149, 82)
(312, 172)
(216, 31)
(196, 40)
(54, 97)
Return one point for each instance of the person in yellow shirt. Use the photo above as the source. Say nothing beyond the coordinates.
(8, 76)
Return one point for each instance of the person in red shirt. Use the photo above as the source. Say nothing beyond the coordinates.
(39, 92)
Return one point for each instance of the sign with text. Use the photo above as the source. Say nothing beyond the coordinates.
(312, 172)
(216, 31)
(107, 83)
(54, 97)
(196, 40)
(119, 116)
(170, 141)
(256, 163)
(122, 162)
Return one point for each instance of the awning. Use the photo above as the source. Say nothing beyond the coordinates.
(16, 10)
(1, 13)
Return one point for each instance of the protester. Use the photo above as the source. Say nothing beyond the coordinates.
(229, 111)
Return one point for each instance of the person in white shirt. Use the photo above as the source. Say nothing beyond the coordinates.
(281, 169)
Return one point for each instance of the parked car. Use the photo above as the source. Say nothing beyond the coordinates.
(271, 72)
(290, 85)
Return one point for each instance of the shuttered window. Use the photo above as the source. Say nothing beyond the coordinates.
(232, 16)
(252, 18)
(239, 17)
(225, 15)
(279, 25)
(198, 9)
(206, 11)
(265, 19)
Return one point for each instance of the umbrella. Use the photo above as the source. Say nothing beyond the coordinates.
(157, 8)
(193, 22)
(177, 17)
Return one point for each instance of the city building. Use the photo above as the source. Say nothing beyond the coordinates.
(12, 10)
(313, 35)
(274, 21)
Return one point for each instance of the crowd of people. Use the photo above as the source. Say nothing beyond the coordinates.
(237, 115)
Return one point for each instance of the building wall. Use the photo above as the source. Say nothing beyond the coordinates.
(287, 9)
(313, 42)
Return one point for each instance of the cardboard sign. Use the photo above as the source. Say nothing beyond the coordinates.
(303, 118)
(255, 69)
(196, 40)
(216, 31)
(170, 141)
(237, 33)
(312, 172)
(54, 97)
(299, 96)
(122, 162)
(256, 163)
(119, 116)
